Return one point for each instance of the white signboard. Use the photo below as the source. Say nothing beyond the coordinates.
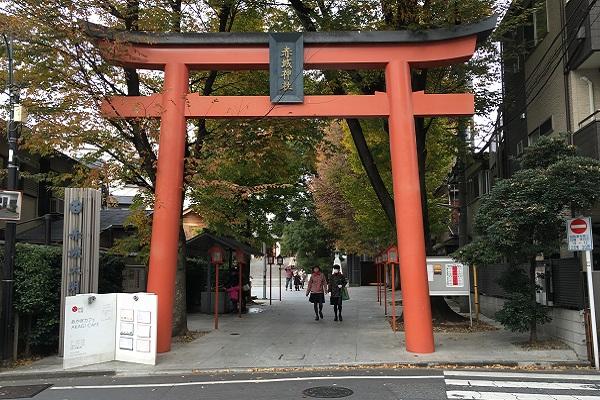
(579, 234)
(107, 327)
(89, 329)
(136, 328)
(447, 277)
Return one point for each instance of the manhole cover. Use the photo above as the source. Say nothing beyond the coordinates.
(21, 392)
(234, 334)
(328, 392)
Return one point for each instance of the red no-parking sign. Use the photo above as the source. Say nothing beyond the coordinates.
(579, 234)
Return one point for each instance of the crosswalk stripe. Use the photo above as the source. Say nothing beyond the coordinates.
(527, 385)
(492, 374)
(471, 395)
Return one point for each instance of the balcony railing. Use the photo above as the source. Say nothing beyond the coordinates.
(587, 138)
(594, 117)
(583, 34)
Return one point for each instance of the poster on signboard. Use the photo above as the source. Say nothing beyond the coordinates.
(89, 329)
(10, 205)
(136, 333)
(455, 275)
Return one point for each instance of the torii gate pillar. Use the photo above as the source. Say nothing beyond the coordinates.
(409, 215)
(168, 199)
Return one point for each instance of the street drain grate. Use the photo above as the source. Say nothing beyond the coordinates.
(21, 392)
(328, 392)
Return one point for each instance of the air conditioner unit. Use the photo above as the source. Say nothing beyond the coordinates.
(57, 205)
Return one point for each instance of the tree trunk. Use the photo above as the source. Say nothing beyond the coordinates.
(28, 336)
(179, 306)
(463, 238)
(533, 323)
(366, 158)
(441, 311)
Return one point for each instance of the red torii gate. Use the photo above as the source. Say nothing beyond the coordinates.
(396, 52)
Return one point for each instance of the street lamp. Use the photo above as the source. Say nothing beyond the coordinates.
(280, 263)
(270, 261)
(6, 319)
(378, 277)
(240, 257)
(392, 254)
(384, 260)
(217, 256)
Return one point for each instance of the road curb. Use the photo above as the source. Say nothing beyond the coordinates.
(30, 375)
(541, 365)
(546, 365)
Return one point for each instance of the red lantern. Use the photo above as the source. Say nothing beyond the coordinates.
(392, 254)
(217, 255)
(240, 257)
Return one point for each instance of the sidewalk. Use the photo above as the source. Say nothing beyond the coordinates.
(286, 335)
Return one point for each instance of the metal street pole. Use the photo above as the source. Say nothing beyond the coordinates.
(264, 250)
(6, 321)
(590, 282)
(270, 284)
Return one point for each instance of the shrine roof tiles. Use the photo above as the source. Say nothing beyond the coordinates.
(482, 29)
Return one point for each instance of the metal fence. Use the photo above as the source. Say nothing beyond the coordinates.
(567, 283)
(564, 281)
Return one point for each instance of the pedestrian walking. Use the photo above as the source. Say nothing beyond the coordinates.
(337, 283)
(289, 277)
(302, 278)
(316, 288)
(297, 281)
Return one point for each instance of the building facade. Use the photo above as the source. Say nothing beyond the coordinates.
(551, 86)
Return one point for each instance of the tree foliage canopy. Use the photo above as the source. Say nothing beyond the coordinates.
(524, 216)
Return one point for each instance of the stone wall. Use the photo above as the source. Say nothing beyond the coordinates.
(567, 326)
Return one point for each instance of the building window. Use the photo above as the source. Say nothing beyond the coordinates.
(540, 22)
(546, 127)
(484, 182)
(520, 148)
(533, 137)
(516, 65)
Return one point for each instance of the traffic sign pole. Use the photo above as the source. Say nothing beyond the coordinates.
(580, 238)
(594, 323)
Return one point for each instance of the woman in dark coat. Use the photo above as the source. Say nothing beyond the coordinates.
(336, 283)
(317, 287)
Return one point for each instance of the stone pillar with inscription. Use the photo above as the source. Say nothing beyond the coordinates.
(81, 246)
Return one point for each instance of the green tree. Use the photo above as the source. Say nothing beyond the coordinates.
(309, 242)
(523, 217)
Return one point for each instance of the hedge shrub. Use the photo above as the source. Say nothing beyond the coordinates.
(37, 296)
(37, 293)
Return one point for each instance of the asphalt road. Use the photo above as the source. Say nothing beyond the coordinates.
(380, 384)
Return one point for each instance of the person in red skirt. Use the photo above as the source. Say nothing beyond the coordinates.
(316, 288)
